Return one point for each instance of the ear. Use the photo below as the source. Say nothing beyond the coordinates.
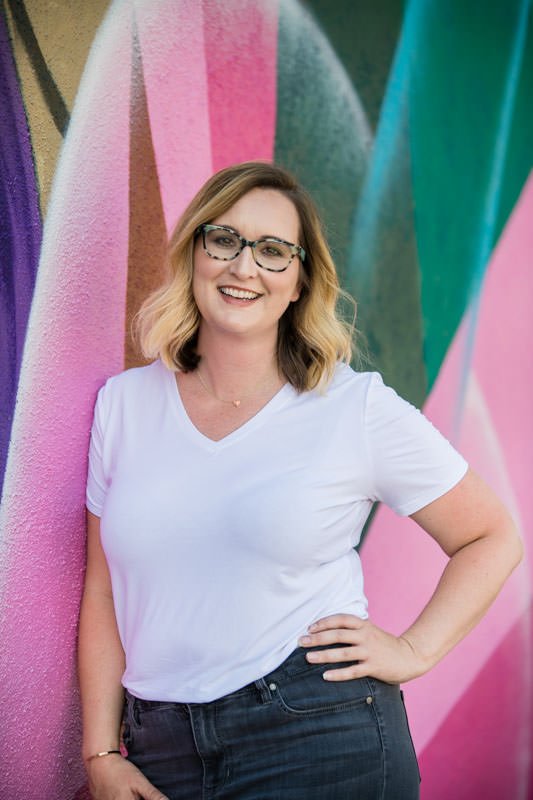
(299, 286)
(297, 292)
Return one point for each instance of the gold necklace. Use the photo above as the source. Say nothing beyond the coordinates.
(236, 403)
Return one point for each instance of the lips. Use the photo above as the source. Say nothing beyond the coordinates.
(239, 294)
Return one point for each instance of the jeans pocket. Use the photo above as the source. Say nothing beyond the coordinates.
(143, 721)
(308, 694)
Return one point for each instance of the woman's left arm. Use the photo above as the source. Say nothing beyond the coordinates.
(475, 530)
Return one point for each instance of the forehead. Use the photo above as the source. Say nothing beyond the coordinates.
(263, 212)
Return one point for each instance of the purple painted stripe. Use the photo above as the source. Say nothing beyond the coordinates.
(20, 236)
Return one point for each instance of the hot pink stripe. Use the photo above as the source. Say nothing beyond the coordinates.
(75, 339)
(171, 37)
(482, 749)
(241, 68)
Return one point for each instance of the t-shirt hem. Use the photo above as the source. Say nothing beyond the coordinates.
(195, 693)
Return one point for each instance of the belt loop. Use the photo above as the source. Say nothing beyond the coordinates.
(265, 690)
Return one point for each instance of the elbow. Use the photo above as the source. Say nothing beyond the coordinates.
(514, 548)
(517, 550)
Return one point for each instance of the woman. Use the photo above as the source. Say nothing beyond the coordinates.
(232, 477)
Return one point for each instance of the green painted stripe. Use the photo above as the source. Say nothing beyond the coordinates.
(322, 134)
(458, 93)
(364, 37)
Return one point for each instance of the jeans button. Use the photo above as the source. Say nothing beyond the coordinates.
(272, 687)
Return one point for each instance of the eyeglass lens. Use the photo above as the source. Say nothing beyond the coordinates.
(268, 253)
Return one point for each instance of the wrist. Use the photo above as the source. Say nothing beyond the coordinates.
(419, 664)
(101, 754)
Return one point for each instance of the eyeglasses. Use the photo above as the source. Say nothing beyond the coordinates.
(269, 253)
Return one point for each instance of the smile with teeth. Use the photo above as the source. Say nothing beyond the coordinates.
(240, 294)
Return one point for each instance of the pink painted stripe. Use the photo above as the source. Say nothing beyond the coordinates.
(482, 749)
(502, 355)
(497, 449)
(171, 37)
(75, 338)
(242, 74)
(446, 684)
(399, 556)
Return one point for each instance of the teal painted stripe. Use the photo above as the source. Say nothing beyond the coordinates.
(383, 264)
(489, 218)
(519, 156)
(458, 89)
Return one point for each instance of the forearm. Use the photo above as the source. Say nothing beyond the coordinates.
(101, 665)
(470, 582)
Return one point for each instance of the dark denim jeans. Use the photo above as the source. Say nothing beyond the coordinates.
(288, 736)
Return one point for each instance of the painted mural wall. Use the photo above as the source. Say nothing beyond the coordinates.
(412, 125)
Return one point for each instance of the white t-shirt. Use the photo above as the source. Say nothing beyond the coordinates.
(222, 553)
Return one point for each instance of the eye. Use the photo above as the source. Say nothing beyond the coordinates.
(271, 250)
(224, 240)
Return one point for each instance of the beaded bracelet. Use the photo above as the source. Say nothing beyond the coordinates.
(103, 753)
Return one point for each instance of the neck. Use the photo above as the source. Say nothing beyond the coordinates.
(233, 365)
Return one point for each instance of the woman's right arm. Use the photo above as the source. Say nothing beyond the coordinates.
(101, 665)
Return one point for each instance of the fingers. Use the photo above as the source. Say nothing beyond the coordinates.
(344, 629)
(346, 673)
(335, 655)
(364, 644)
(337, 621)
(121, 779)
(343, 636)
(375, 652)
(148, 792)
(337, 629)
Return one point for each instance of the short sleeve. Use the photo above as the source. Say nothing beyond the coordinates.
(97, 483)
(411, 462)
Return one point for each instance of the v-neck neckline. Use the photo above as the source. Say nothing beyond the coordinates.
(259, 418)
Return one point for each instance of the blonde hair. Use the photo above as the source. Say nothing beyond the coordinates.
(312, 334)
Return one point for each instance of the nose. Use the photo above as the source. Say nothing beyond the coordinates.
(244, 265)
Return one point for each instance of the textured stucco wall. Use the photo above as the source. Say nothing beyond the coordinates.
(413, 128)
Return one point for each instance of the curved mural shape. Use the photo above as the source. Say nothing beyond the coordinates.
(417, 182)
(66, 355)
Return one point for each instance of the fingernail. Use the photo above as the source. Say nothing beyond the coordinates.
(304, 640)
(313, 627)
(326, 676)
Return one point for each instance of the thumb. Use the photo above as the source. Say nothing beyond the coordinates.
(147, 791)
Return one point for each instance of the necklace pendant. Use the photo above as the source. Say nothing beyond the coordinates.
(236, 403)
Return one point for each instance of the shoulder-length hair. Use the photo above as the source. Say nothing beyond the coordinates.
(312, 335)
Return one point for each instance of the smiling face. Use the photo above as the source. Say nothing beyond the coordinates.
(238, 297)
